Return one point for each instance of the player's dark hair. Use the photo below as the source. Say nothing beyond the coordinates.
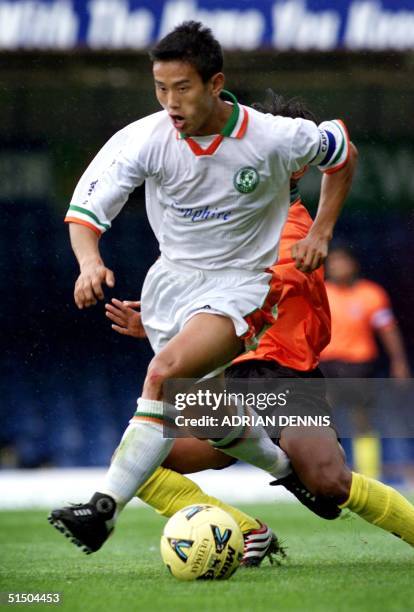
(276, 104)
(193, 43)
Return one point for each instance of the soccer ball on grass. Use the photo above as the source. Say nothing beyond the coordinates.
(202, 542)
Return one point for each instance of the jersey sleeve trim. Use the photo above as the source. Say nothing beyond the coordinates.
(84, 214)
(338, 152)
(331, 148)
(382, 318)
(85, 223)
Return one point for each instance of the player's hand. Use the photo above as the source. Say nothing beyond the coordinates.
(88, 287)
(310, 252)
(126, 318)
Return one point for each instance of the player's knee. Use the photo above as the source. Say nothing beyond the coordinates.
(332, 480)
(159, 370)
(156, 376)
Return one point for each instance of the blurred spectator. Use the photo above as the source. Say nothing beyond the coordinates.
(360, 311)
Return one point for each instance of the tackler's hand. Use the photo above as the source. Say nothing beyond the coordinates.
(126, 318)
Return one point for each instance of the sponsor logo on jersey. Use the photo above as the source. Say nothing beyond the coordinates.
(195, 215)
(246, 179)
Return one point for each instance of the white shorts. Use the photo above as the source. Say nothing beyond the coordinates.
(173, 293)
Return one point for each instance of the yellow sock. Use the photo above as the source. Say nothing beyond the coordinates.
(382, 506)
(367, 455)
(167, 492)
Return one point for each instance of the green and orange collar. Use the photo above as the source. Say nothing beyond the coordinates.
(235, 127)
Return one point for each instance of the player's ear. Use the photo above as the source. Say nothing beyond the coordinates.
(216, 83)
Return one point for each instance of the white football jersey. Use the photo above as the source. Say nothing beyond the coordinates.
(213, 202)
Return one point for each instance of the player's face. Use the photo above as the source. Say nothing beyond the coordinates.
(341, 268)
(189, 102)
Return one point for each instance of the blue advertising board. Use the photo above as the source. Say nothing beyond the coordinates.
(298, 25)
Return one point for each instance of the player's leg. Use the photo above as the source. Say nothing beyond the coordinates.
(318, 460)
(381, 505)
(168, 491)
(277, 378)
(206, 343)
(189, 455)
(320, 464)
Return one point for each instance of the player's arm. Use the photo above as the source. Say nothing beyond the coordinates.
(92, 271)
(328, 147)
(384, 323)
(99, 196)
(391, 339)
(311, 252)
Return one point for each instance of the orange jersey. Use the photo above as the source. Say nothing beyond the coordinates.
(357, 310)
(303, 323)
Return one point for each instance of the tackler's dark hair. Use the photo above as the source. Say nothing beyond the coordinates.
(276, 104)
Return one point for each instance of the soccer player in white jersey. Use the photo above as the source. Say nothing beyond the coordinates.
(217, 189)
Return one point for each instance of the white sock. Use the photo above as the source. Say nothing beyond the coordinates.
(262, 453)
(259, 451)
(141, 450)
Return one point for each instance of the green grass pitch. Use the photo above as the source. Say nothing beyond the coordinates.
(334, 566)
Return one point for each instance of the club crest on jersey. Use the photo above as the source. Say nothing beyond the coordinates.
(246, 179)
(220, 539)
